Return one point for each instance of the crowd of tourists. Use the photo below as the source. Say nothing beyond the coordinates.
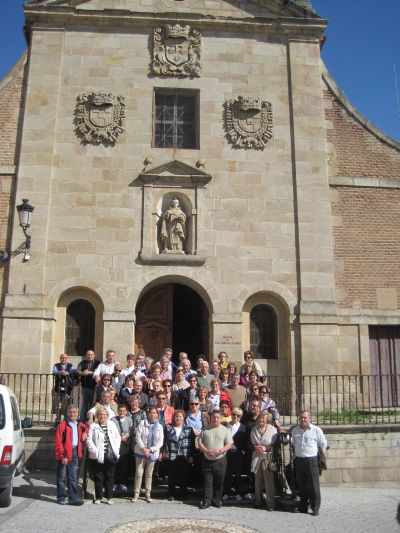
(213, 427)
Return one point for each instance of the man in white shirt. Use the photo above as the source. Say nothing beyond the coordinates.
(307, 439)
(106, 367)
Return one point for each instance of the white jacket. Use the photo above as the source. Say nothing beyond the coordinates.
(95, 440)
(142, 434)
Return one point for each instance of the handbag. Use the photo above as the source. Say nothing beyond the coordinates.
(110, 455)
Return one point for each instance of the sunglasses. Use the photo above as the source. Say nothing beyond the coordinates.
(195, 403)
(169, 386)
(106, 379)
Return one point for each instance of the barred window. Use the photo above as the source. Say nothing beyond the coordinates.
(264, 332)
(175, 120)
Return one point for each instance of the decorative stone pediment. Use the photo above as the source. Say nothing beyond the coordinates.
(175, 173)
(174, 207)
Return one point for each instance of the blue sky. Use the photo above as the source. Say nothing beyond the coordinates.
(363, 43)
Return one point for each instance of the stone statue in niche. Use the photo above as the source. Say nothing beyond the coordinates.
(173, 222)
(176, 51)
(99, 117)
(248, 122)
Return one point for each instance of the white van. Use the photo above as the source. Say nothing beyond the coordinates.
(12, 453)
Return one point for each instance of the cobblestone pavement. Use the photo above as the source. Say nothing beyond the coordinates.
(343, 510)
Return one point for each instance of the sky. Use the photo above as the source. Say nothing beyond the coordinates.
(363, 43)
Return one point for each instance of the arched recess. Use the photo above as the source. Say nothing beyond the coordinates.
(257, 309)
(172, 311)
(71, 304)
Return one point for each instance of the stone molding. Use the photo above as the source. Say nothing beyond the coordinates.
(378, 183)
(183, 260)
(7, 170)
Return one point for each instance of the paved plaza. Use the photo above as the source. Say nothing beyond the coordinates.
(350, 510)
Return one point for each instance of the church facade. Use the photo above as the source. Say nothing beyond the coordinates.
(198, 181)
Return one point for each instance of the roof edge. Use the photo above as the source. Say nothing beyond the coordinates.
(15, 69)
(350, 108)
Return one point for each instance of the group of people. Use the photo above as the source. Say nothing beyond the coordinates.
(213, 426)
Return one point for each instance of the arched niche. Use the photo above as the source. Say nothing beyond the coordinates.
(164, 203)
(278, 364)
(75, 297)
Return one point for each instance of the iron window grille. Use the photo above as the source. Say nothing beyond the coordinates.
(175, 120)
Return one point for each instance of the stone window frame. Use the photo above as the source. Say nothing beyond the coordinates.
(176, 93)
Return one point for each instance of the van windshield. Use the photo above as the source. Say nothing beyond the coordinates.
(2, 413)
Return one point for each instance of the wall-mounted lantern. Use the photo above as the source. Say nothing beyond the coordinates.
(25, 211)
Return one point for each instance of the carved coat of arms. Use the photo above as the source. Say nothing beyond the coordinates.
(99, 117)
(176, 51)
(249, 122)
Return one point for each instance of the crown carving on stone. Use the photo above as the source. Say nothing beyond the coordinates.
(248, 122)
(176, 51)
(177, 31)
(101, 98)
(247, 102)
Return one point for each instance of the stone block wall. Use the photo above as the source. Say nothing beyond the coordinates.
(369, 457)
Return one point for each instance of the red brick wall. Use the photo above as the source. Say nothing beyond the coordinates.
(367, 243)
(10, 107)
(357, 152)
(10, 104)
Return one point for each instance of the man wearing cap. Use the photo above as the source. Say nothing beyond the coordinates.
(215, 440)
(307, 439)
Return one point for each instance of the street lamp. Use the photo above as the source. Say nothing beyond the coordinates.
(25, 211)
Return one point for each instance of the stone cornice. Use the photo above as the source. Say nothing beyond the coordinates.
(59, 16)
(359, 181)
(345, 102)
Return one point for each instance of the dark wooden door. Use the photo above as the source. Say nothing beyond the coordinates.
(385, 365)
(154, 318)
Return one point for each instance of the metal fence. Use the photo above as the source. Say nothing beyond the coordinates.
(332, 399)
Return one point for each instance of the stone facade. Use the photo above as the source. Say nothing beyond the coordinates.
(268, 226)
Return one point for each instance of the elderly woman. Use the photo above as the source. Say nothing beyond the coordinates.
(103, 444)
(180, 448)
(263, 437)
(149, 440)
(204, 403)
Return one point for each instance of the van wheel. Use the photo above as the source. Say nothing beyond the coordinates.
(5, 495)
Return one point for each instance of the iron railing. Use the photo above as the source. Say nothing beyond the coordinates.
(332, 399)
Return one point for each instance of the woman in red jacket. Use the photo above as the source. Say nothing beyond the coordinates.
(70, 436)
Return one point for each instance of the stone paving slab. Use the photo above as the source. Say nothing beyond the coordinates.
(344, 510)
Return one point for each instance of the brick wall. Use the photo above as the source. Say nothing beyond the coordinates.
(366, 243)
(10, 104)
(355, 150)
(10, 107)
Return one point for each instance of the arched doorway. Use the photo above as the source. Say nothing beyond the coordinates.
(172, 315)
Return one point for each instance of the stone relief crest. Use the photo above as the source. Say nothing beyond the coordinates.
(176, 51)
(248, 122)
(99, 117)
